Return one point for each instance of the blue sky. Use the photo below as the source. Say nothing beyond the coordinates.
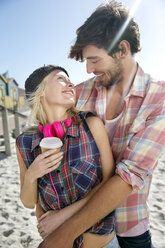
(38, 32)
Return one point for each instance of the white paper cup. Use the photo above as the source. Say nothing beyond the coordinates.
(51, 143)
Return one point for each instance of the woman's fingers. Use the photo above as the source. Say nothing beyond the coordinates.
(54, 162)
(42, 233)
(46, 162)
(42, 217)
(39, 227)
(53, 167)
(46, 170)
(47, 153)
(48, 213)
(54, 157)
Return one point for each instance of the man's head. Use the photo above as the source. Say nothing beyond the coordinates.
(106, 28)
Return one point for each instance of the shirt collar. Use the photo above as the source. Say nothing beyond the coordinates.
(36, 138)
(73, 130)
(139, 84)
(98, 84)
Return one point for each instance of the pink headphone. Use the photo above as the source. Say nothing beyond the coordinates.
(58, 128)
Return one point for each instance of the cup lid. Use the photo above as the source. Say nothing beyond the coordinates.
(51, 143)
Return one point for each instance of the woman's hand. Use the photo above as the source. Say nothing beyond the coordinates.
(49, 221)
(51, 230)
(57, 239)
(44, 163)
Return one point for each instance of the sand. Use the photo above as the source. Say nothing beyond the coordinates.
(156, 204)
(18, 224)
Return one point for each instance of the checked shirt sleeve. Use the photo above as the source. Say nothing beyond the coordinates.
(145, 143)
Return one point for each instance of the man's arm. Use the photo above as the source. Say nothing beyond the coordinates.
(104, 201)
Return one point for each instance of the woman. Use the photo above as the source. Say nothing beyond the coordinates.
(60, 184)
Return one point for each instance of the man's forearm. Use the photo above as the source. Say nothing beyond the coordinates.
(104, 201)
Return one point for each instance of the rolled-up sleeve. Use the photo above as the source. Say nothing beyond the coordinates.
(144, 146)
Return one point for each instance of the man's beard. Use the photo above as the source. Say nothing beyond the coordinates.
(112, 76)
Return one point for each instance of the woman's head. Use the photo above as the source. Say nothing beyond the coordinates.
(37, 76)
(46, 87)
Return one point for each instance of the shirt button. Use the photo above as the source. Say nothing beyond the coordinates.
(62, 189)
(58, 171)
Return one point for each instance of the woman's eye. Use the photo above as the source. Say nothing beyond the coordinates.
(60, 78)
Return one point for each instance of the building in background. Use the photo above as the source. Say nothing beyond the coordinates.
(11, 95)
(21, 98)
(3, 89)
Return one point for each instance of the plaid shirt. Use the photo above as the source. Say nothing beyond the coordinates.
(137, 142)
(78, 173)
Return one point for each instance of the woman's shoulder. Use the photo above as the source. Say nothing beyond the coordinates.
(90, 121)
(24, 135)
(90, 117)
(25, 139)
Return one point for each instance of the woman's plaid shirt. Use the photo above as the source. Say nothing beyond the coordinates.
(79, 172)
(138, 140)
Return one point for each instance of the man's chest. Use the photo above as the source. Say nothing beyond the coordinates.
(114, 106)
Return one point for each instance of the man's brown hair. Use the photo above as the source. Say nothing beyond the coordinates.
(107, 26)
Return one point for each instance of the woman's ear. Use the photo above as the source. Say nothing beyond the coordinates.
(42, 97)
(124, 48)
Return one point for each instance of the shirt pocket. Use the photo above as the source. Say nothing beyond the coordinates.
(86, 175)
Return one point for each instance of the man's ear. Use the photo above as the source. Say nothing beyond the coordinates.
(124, 48)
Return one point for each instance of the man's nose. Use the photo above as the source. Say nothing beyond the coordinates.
(89, 67)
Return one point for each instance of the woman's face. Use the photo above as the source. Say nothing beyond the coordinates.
(58, 90)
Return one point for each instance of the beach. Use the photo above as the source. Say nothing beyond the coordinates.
(18, 224)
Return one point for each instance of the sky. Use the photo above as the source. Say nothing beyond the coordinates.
(38, 32)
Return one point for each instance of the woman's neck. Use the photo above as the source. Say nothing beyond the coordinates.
(57, 114)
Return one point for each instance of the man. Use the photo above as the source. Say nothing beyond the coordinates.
(132, 106)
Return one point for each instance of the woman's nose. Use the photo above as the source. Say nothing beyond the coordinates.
(70, 85)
